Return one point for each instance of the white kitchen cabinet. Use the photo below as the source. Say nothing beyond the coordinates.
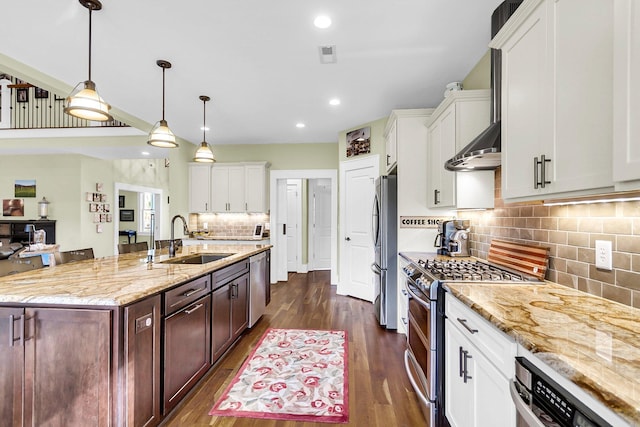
(255, 187)
(391, 144)
(199, 187)
(456, 121)
(557, 84)
(235, 187)
(626, 95)
(227, 188)
(479, 362)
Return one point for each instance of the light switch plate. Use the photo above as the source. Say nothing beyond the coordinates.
(603, 255)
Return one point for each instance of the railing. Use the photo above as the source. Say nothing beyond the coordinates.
(24, 106)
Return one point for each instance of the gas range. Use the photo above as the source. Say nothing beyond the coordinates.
(429, 270)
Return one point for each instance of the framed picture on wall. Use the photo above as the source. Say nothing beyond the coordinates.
(126, 215)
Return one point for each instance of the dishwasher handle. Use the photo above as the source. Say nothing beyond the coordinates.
(523, 410)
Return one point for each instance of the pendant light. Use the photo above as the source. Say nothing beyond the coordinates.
(161, 136)
(84, 101)
(204, 153)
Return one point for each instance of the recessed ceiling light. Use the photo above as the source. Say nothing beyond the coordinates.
(334, 101)
(145, 153)
(300, 125)
(322, 22)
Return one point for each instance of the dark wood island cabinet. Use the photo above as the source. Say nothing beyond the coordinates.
(123, 360)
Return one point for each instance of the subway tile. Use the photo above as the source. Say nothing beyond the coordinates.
(559, 264)
(618, 226)
(621, 261)
(587, 255)
(628, 279)
(568, 224)
(635, 299)
(552, 276)
(615, 293)
(559, 211)
(578, 210)
(526, 211)
(578, 268)
(558, 237)
(526, 234)
(533, 223)
(541, 211)
(519, 222)
(578, 239)
(602, 210)
(628, 244)
(635, 263)
(631, 209)
(609, 237)
(549, 223)
(567, 252)
(541, 236)
(592, 287)
(601, 275)
(590, 225)
(567, 280)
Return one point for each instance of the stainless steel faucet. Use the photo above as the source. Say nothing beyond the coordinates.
(172, 242)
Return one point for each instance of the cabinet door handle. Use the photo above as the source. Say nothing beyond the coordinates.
(12, 338)
(540, 179)
(191, 310)
(466, 356)
(543, 166)
(436, 199)
(463, 322)
(460, 362)
(388, 157)
(191, 292)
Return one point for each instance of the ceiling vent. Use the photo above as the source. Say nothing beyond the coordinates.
(327, 54)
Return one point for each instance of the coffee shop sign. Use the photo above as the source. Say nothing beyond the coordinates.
(421, 221)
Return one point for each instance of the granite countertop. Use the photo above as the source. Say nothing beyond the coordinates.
(115, 280)
(593, 342)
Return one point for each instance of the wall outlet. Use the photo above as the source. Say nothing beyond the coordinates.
(603, 255)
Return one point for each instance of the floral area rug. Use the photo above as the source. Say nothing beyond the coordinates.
(292, 374)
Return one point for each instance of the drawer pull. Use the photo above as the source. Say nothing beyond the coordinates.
(191, 310)
(191, 292)
(12, 338)
(463, 322)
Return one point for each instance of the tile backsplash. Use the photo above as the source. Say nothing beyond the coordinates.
(227, 224)
(570, 231)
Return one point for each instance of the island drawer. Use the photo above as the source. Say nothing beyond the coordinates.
(185, 294)
(226, 274)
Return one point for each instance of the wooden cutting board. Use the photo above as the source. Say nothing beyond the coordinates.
(528, 259)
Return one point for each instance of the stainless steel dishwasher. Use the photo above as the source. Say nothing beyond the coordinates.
(257, 287)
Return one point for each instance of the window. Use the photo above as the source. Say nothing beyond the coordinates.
(147, 210)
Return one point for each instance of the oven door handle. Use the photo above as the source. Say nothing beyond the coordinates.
(522, 408)
(409, 358)
(416, 297)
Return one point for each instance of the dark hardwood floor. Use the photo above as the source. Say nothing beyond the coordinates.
(379, 391)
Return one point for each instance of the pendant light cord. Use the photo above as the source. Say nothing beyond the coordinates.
(163, 69)
(90, 10)
(204, 120)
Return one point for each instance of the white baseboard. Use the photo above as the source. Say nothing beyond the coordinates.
(304, 268)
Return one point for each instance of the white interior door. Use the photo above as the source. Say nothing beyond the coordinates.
(278, 231)
(357, 255)
(320, 224)
(294, 203)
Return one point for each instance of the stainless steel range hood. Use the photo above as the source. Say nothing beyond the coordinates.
(483, 152)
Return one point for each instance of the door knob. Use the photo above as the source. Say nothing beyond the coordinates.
(348, 239)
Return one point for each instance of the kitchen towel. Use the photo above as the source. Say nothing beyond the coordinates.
(292, 374)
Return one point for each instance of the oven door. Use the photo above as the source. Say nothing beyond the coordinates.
(420, 356)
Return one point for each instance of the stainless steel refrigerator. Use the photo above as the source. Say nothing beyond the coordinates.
(383, 231)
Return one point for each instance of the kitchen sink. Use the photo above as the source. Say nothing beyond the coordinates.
(196, 259)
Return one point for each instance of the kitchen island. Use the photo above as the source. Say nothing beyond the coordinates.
(117, 341)
(591, 342)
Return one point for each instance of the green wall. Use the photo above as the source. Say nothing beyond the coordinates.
(480, 75)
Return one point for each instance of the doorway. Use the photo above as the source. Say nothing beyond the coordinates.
(319, 209)
(136, 191)
(293, 225)
(278, 209)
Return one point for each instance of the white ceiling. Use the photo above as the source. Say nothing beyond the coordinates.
(258, 60)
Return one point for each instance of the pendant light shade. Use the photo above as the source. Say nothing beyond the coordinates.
(84, 101)
(204, 153)
(161, 136)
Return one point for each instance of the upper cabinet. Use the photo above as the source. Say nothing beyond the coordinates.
(626, 95)
(228, 187)
(556, 99)
(456, 121)
(199, 187)
(391, 144)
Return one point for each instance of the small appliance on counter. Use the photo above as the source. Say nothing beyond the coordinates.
(453, 238)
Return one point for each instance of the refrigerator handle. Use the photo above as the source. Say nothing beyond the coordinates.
(376, 269)
(375, 221)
